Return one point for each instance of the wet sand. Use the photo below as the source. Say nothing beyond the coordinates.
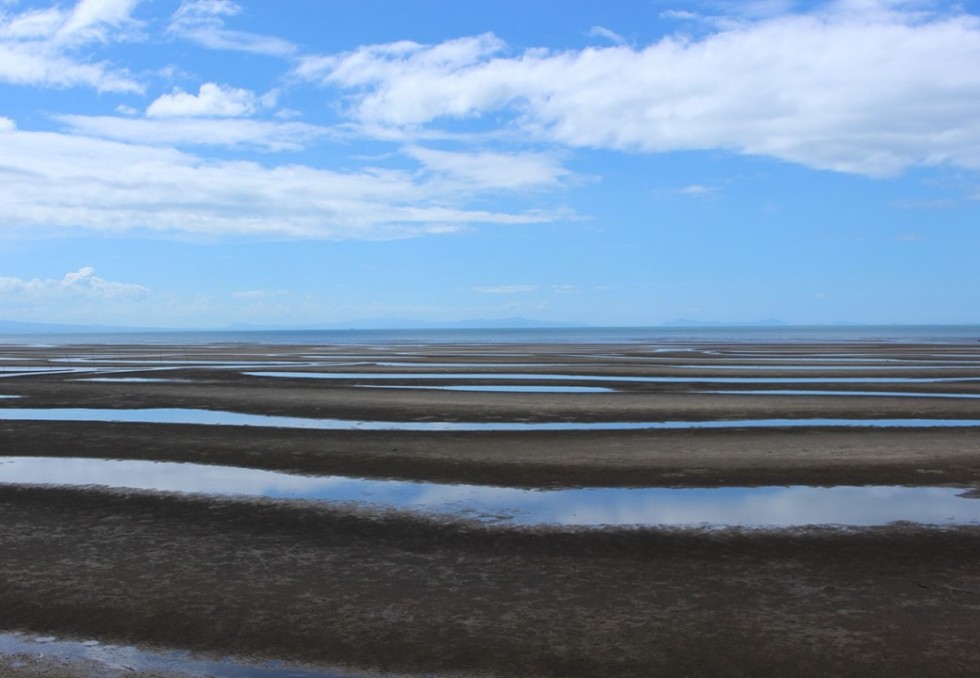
(360, 590)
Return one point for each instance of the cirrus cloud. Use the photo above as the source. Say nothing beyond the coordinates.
(261, 134)
(202, 21)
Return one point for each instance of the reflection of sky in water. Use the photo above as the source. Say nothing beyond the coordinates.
(122, 660)
(504, 389)
(530, 376)
(888, 394)
(827, 368)
(756, 506)
(18, 370)
(136, 380)
(23, 372)
(222, 418)
(177, 361)
(965, 360)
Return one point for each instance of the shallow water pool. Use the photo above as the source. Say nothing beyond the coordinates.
(750, 507)
(225, 418)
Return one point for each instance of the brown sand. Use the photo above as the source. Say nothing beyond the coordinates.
(390, 592)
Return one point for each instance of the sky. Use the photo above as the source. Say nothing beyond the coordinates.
(298, 163)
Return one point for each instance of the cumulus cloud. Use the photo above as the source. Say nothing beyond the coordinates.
(212, 100)
(871, 90)
(47, 47)
(202, 21)
(81, 283)
(67, 181)
(6, 124)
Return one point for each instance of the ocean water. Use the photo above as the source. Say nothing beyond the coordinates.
(938, 334)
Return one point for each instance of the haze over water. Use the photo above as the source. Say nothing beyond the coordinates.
(944, 334)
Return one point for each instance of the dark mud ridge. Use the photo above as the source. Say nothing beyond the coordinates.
(362, 584)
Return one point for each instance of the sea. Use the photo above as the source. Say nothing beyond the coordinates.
(911, 334)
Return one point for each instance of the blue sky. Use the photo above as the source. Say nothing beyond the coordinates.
(207, 162)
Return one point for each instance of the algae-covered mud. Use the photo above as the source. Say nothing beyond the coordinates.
(638, 509)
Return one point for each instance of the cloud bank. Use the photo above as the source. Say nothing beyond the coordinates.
(60, 180)
(869, 90)
(865, 87)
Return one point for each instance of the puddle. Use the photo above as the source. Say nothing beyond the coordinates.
(136, 380)
(504, 389)
(225, 418)
(103, 660)
(749, 507)
(884, 394)
(25, 371)
(827, 368)
(177, 361)
(470, 365)
(360, 376)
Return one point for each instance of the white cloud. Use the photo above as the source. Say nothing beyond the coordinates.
(7, 125)
(267, 136)
(81, 283)
(212, 100)
(603, 32)
(201, 21)
(46, 47)
(490, 170)
(64, 181)
(697, 190)
(91, 20)
(679, 14)
(870, 92)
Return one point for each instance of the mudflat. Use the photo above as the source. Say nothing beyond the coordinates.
(353, 589)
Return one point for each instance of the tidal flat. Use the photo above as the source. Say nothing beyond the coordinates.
(333, 584)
